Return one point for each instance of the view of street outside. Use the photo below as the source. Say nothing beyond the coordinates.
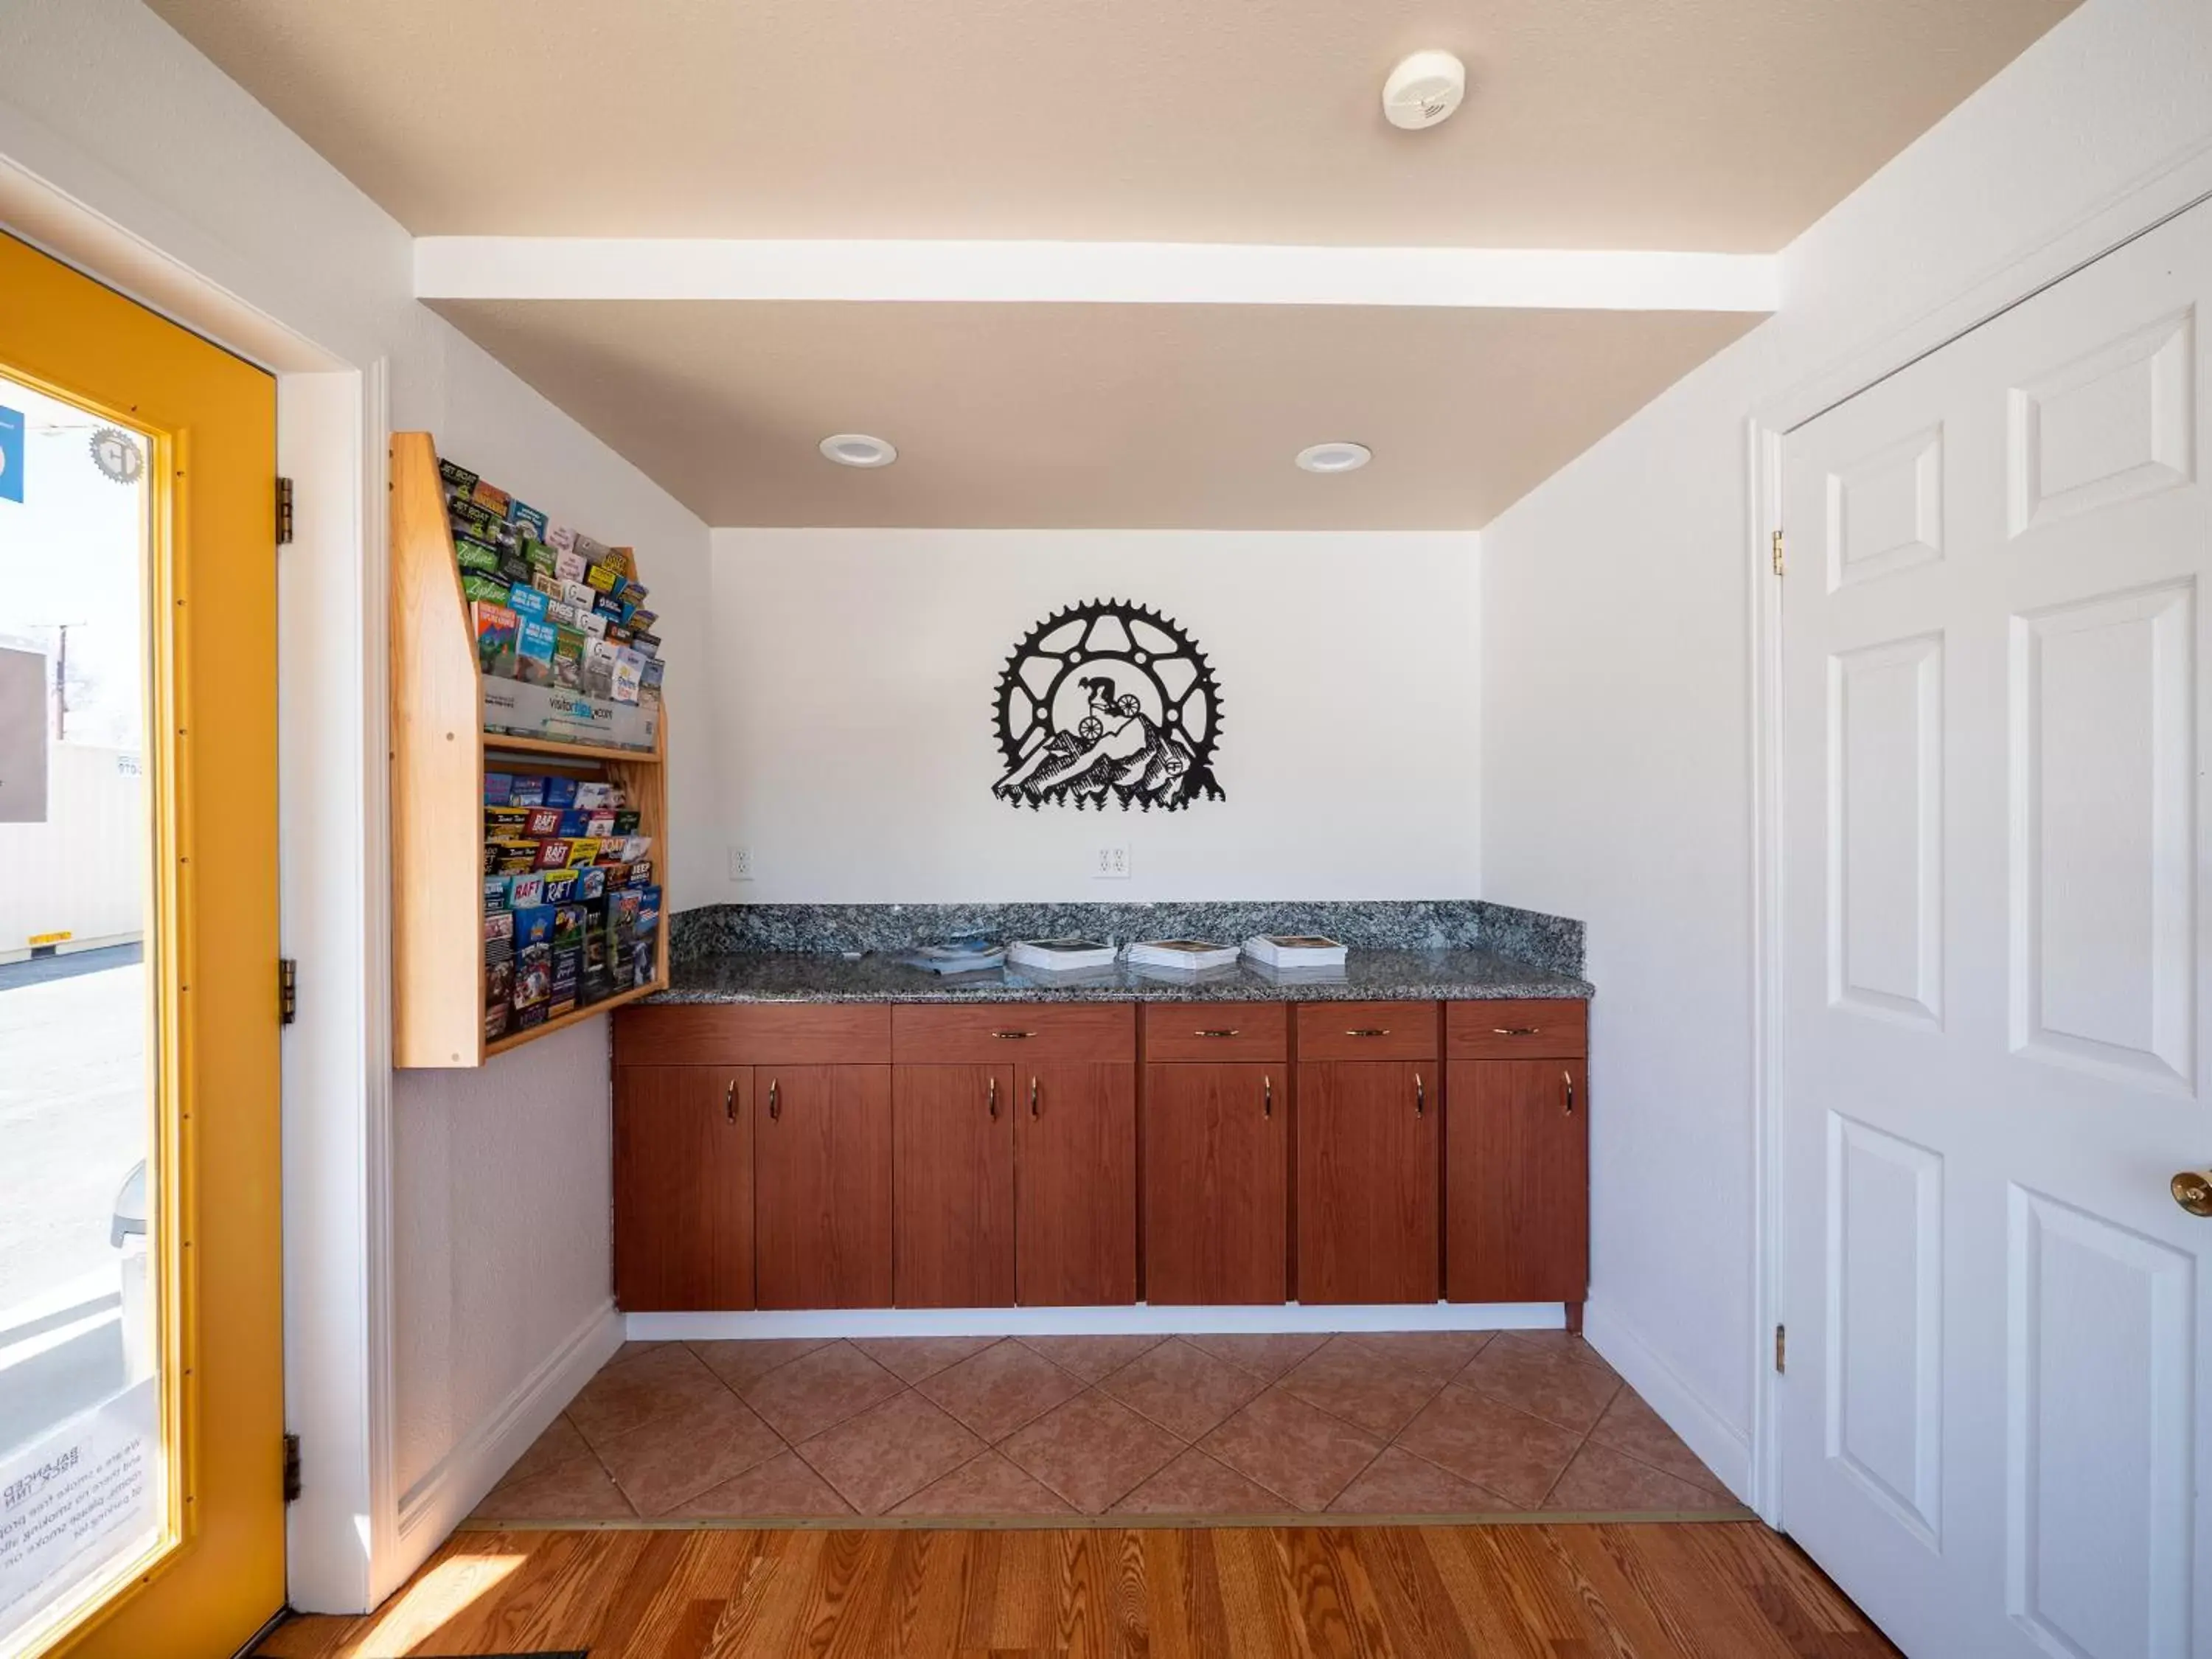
(72, 1105)
(82, 1463)
(73, 1123)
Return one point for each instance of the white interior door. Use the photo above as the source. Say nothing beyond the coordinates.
(1996, 1433)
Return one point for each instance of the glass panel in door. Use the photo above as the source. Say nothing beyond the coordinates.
(83, 1469)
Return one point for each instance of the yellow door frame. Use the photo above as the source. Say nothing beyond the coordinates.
(215, 1236)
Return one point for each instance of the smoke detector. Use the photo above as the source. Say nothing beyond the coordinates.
(1424, 90)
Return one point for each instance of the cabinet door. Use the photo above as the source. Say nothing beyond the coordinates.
(822, 1158)
(1368, 1194)
(952, 1165)
(684, 1188)
(1075, 1146)
(1215, 1158)
(1516, 1193)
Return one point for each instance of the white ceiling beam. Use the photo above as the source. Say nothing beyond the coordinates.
(1098, 273)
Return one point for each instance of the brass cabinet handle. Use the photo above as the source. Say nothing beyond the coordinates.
(730, 1101)
(1231, 1032)
(1516, 1031)
(1368, 1031)
(1420, 1096)
(1267, 1095)
(994, 1099)
(1033, 1097)
(1012, 1036)
(774, 1104)
(2192, 1190)
(1567, 1083)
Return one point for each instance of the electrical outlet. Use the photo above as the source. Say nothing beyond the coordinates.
(1111, 862)
(741, 864)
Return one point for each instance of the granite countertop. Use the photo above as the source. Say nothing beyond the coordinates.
(1368, 975)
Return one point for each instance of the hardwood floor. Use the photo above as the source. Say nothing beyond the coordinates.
(1726, 1589)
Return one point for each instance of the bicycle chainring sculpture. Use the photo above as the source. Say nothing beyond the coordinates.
(1108, 702)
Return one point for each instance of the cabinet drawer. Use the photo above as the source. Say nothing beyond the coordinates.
(1013, 1033)
(1553, 1029)
(1367, 1031)
(753, 1034)
(1216, 1031)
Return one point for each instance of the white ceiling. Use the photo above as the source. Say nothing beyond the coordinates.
(1036, 415)
(1700, 126)
(1721, 125)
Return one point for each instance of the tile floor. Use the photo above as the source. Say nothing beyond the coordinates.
(1430, 1423)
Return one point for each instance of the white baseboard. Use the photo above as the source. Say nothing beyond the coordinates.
(430, 1510)
(1723, 1449)
(1097, 1321)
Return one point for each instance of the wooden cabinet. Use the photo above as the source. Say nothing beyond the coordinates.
(1550, 1028)
(1216, 1165)
(1367, 1031)
(1216, 1031)
(1075, 1151)
(822, 1162)
(814, 1092)
(1067, 1082)
(754, 1034)
(1517, 1182)
(1367, 1179)
(952, 1161)
(1012, 1033)
(1516, 1178)
(684, 1188)
(793, 1156)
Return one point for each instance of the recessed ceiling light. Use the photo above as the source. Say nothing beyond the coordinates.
(859, 449)
(1335, 457)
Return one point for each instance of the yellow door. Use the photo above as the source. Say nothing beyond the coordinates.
(141, 1350)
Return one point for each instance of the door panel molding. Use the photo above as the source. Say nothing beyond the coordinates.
(2054, 469)
(1885, 834)
(2121, 731)
(2096, 1312)
(1892, 1234)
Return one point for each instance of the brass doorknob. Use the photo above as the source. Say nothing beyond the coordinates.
(2192, 1190)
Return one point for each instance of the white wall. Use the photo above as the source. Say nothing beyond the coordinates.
(854, 673)
(1617, 677)
(499, 1178)
(501, 1232)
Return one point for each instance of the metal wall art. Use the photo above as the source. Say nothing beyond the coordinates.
(1106, 701)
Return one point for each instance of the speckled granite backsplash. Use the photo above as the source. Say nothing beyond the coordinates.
(1553, 943)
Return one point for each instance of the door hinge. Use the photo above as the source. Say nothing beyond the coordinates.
(284, 511)
(1782, 1349)
(288, 990)
(291, 1468)
(1777, 552)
